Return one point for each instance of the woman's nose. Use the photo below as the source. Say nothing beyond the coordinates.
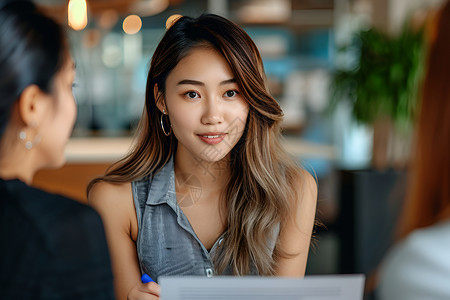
(212, 112)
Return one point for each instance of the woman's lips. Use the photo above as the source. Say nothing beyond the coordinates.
(212, 138)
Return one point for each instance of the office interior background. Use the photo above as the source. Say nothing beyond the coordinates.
(303, 44)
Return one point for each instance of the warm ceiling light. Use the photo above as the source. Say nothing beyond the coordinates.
(171, 20)
(132, 24)
(147, 8)
(77, 14)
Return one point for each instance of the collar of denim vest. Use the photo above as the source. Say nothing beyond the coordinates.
(162, 189)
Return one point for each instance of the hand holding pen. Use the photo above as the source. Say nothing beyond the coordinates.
(147, 289)
(146, 279)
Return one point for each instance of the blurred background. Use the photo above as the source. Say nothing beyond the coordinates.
(346, 73)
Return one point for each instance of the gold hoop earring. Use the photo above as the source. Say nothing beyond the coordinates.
(162, 123)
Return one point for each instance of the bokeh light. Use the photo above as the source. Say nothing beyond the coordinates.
(77, 14)
(132, 24)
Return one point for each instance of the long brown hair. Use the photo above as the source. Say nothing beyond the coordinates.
(263, 177)
(428, 199)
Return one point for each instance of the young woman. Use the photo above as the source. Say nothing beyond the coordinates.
(207, 189)
(51, 247)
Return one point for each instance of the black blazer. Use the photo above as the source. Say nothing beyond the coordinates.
(51, 247)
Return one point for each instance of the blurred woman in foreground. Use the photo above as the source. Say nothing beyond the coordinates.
(52, 247)
(418, 267)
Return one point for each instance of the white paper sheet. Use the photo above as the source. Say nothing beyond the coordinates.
(315, 287)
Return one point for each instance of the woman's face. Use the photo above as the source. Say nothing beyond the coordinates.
(206, 109)
(61, 115)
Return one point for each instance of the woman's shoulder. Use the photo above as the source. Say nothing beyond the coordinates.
(66, 212)
(115, 204)
(106, 191)
(61, 236)
(429, 242)
(306, 187)
(439, 230)
(306, 179)
(419, 262)
(42, 206)
(77, 224)
(56, 218)
(305, 202)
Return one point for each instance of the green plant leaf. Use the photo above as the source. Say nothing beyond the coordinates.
(386, 78)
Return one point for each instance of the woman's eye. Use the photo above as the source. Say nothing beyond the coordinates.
(192, 95)
(231, 93)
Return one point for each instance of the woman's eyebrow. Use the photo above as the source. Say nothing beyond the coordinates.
(232, 80)
(190, 81)
(196, 82)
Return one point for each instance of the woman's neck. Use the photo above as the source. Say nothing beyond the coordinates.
(8, 171)
(212, 176)
(16, 163)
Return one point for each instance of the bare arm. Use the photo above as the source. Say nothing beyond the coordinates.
(295, 237)
(114, 202)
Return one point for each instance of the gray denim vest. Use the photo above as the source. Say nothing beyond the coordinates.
(167, 244)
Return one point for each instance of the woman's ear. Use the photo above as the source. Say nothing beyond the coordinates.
(33, 104)
(159, 99)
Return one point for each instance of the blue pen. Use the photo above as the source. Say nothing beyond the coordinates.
(146, 279)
